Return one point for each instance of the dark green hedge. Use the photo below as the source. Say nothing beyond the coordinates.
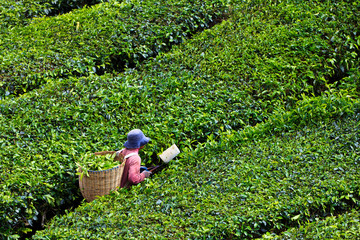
(344, 226)
(17, 13)
(231, 189)
(105, 37)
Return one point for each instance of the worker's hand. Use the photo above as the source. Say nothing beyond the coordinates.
(147, 174)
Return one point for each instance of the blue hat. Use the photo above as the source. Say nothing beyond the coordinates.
(136, 139)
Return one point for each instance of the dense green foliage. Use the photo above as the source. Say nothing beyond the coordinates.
(14, 12)
(233, 188)
(260, 70)
(346, 226)
(104, 37)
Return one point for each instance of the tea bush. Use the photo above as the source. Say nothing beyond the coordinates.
(231, 190)
(105, 37)
(311, 110)
(345, 226)
(13, 13)
(270, 63)
(18, 13)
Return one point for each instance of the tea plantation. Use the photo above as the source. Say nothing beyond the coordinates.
(260, 96)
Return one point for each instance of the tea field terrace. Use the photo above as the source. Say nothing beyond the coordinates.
(265, 57)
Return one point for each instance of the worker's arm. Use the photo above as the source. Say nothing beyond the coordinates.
(135, 176)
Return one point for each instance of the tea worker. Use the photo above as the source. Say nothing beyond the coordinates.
(136, 140)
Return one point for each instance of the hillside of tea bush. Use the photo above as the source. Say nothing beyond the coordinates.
(268, 72)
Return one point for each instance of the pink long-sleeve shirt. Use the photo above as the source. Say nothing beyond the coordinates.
(131, 174)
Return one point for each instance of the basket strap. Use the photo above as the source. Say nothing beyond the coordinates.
(122, 158)
(118, 152)
(129, 155)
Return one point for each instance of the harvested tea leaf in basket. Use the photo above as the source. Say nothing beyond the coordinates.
(92, 162)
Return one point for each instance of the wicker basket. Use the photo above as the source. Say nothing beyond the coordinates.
(100, 183)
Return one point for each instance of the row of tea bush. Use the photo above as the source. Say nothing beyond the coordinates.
(345, 226)
(18, 13)
(105, 37)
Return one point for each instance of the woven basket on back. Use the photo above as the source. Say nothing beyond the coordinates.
(100, 183)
